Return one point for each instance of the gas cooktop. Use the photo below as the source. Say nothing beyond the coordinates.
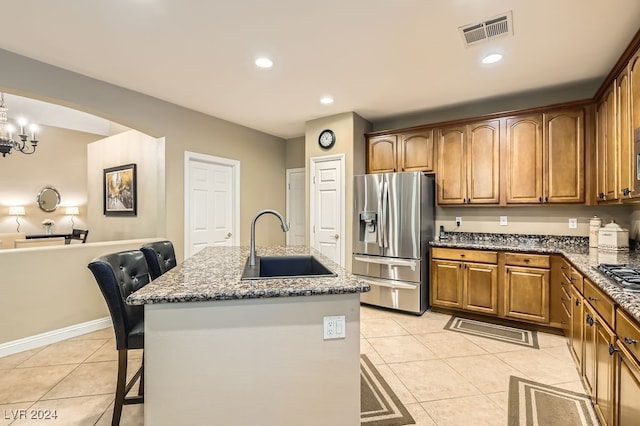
(627, 277)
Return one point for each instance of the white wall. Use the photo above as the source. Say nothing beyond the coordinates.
(148, 155)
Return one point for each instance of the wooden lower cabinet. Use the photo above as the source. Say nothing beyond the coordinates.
(446, 283)
(576, 331)
(526, 293)
(480, 290)
(627, 388)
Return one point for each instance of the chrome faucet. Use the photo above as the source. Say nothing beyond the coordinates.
(283, 225)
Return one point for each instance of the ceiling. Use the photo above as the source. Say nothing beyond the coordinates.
(379, 58)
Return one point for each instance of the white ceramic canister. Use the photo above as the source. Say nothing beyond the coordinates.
(594, 226)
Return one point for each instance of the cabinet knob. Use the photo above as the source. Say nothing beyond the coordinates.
(612, 349)
(462, 255)
(527, 260)
(577, 302)
(540, 199)
(626, 191)
(546, 199)
(593, 299)
(563, 299)
(601, 195)
(564, 267)
(630, 341)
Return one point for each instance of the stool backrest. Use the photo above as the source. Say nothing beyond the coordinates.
(160, 256)
(118, 275)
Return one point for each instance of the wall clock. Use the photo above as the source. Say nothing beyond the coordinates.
(326, 139)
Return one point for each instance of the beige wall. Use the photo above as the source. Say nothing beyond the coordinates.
(349, 128)
(147, 153)
(60, 161)
(295, 153)
(261, 156)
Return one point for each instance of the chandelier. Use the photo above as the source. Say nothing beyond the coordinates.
(7, 143)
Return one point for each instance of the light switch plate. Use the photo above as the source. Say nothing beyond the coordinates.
(334, 327)
(503, 221)
(573, 223)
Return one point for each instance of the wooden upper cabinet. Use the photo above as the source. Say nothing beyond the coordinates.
(523, 149)
(381, 154)
(451, 176)
(415, 151)
(611, 146)
(634, 118)
(625, 144)
(564, 156)
(403, 152)
(483, 163)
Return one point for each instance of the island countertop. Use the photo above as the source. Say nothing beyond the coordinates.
(214, 274)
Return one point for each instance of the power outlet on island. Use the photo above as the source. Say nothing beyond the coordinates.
(334, 327)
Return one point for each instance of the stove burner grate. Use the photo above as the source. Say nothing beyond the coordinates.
(627, 277)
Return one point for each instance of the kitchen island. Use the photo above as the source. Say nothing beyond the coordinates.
(220, 350)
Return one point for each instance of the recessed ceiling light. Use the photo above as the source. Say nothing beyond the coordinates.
(264, 62)
(490, 59)
(326, 100)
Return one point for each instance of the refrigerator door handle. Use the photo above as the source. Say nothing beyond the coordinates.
(385, 212)
(380, 216)
(394, 285)
(391, 262)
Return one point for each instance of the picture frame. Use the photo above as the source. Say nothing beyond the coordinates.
(120, 188)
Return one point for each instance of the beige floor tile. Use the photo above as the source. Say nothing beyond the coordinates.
(576, 386)
(80, 411)
(401, 349)
(562, 353)
(478, 410)
(11, 412)
(369, 312)
(432, 379)
(448, 344)
(370, 352)
(132, 415)
(396, 385)
(104, 333)
(30, 384)
(381, 327)
(106, 352)
(65, 352)
(419, 415)
(429, 322)
(486, 372)
(501, 399)
(94, 378)
(540, 366)
(549, 340)
(12, 361)
(495, 346)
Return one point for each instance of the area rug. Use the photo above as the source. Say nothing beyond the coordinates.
(502, 333)
(532, 403)
(379, 405)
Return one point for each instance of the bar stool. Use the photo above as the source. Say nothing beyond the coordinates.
(160, 257)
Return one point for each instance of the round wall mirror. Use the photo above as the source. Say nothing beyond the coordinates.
(48, 199)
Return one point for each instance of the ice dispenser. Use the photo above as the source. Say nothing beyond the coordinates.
(368, 226)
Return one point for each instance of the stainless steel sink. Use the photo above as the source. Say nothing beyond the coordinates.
(272, 267)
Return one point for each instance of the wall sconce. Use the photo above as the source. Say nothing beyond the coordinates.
(16, 211)
(72, 211)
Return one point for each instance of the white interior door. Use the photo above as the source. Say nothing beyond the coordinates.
(295, 207)
(327, 206)
(212, 204)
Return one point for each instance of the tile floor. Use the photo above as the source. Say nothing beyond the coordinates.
(444, 378)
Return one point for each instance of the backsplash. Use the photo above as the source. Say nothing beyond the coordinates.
(560, 241)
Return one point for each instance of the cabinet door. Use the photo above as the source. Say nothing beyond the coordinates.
(446, 283)
(604, 375)
(576, 335)
(381, 154)
(524, 160)
(627, 389)
(527, 294)
(625, 145)
(634, 118)
(480, 288)
(415, 151)
(564, 156)
(452, 181)
(611, 146)
(483, 163)
(601, 151)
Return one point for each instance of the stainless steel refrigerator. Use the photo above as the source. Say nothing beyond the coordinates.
(393, 224)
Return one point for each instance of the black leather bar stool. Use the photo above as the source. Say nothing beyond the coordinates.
(160, 257)
(118, 275)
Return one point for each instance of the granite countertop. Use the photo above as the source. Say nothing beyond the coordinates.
(575, 249)
(214, 274)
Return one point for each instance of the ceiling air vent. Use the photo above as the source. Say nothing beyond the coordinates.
(497, 26)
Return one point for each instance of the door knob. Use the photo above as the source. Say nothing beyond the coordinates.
(336, 236)
(228, 235)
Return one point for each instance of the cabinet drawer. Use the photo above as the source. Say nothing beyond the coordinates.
(465, 255)
(524, 259)
(603, 305)
(577, 280)
(565, 267)
(628, 332)
(565, 296)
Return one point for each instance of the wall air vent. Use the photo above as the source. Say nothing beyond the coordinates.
(498, 26)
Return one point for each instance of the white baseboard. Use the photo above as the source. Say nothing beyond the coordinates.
(54, 336)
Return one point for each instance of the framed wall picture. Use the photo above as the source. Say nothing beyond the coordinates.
(120, 191)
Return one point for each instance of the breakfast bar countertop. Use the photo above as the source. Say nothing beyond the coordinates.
(575, 249)
(214, 274)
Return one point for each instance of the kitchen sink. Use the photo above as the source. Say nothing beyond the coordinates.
(272, 267)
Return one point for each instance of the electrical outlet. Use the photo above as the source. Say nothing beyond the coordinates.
(458, 221)
(573, 223)
(334, 327)
(503, 221)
